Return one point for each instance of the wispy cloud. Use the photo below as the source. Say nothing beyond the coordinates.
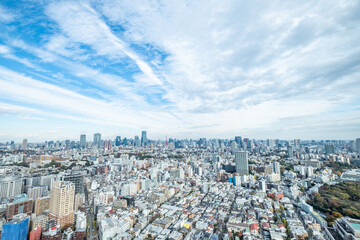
(81, 23)
(5, 15)
(200, 68)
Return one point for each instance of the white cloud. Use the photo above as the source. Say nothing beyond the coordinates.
(222, 67)
(82, 24)
(5, 15)
(67, 104)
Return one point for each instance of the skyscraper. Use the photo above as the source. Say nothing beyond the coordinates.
(24, 144)
(143, 138)
(67, 144)
(117, 141)
(75, 178)
(97, 140)
(62, 203)
(241, 162)
(136, 141)
(270, 143)
(329, 148)
(290, 151)
(357, 143)
(238, 140)
(262, 185)
(83, 141)
(276, 167)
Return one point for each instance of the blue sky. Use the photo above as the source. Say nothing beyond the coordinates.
(182, 68)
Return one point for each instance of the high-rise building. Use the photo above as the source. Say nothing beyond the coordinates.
(10, 186)
(270, 143)
(290, 151)
(357, 143)
(42, 205)
(62, 203)
(67, 144)
(75, 178)
(118, 141)
(83, 141)
(143, 138)
(262, 185)
(234, 147)
(97, 140)
(136, 141)
(238, 140)
(35, 192)
(276, 167)
(241, 162)
(24, 144)
(246, 143)
(297, 143)
(329, 148)
(21, 204)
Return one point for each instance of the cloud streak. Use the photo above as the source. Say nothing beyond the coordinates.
(200, 68)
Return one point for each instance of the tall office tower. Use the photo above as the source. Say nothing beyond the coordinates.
(270, 143)
(24, 144)
(329, 148)
(10, 186)
(67, 144)
(357, 144)
(222, 145)
(234, 147)
(75, 178)
(238, 140)
(105, 144)
(246, 143)
(276, 167)
(35, 192)
(251, 145)
(83, 141)
(109, 144)
(352, 145)
(241, 162)
(136, 141)
(297, 143)
(277, 143)
(262, 185)
(143, 138)
(118, 141)
(97, 140)
(202, 142)
(290, 151)
(62, 203)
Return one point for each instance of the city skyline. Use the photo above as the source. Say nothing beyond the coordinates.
(185, 70)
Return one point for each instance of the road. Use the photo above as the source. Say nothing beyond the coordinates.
(92, 235)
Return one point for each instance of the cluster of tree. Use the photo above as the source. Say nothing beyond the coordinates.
(338, 167)
(338, 200)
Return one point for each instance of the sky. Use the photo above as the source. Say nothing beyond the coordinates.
(182, 69)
